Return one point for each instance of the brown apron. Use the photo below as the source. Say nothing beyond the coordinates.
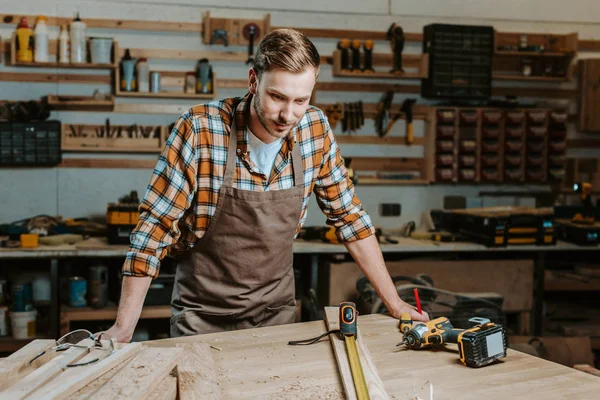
(239, 274)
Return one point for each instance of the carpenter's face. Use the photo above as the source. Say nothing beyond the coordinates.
(281, 98)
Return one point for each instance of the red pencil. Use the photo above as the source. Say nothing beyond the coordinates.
(416, 292)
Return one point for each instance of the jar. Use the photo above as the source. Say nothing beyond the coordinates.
(190, 82)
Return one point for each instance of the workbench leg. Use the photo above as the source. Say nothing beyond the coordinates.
(538, 294)
(55, 300)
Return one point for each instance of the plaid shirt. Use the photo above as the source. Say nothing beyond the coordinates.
(182, 195)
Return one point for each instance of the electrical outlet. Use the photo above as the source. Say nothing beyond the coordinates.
(390, 210)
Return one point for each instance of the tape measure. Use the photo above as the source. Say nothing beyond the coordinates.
(348, 332)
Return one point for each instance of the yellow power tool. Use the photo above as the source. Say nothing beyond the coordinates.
(587, 216)
(478, 346)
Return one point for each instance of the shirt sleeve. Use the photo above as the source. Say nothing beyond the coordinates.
(169, 194)
(335, 195)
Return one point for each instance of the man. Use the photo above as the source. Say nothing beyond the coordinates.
(229, 193)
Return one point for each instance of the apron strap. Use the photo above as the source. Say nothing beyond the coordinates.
(232, 157)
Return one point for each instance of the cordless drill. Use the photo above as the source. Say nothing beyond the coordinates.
(478, 346)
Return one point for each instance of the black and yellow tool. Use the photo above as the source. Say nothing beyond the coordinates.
(368, 49)
(355, 48)
(344, 47)
(586, 217)
(348, 332)
(382, 118)
(395, 35)
(478, 346)
(407, 110)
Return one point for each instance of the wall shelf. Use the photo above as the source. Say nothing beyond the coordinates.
(174, 80)
(80, 103)
(421, 72)
(52, 47)
(94, 138)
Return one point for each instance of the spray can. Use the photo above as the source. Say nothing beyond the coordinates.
(24, 42)
(204, 76)
(78, 41)
(63, 45)
(40, 53)
(143, 75)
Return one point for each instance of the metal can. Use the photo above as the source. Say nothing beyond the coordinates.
(21, 296)
(155, 81)
(77, 291)
(3, 292)
(190, 82)
(98, 286)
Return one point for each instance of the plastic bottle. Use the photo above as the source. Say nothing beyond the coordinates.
(78, 41)
(24, 41)
(127, 67)
(41, 40)
(63, 45)
(143, 75)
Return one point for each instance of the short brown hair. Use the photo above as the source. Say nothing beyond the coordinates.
(287, 49)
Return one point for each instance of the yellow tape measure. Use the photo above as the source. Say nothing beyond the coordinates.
(349, 331)
(358, 376)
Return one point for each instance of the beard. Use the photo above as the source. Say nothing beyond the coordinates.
(270, 124)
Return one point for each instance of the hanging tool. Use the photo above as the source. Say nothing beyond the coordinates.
(382, 117)
(586, 217)
(250, 31)
(219, 35)
(348, 332)
(355, 56)
(334, 114)
(407, 109)
(344, 47)
(368, 49)
(478, 346)
(395, 35)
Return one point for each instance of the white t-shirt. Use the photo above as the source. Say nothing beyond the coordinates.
(263, 154)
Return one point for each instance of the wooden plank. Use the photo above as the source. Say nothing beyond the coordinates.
(46, 372)
(62, 78)
(130, 108)
(197, 375)
(589, 45)
(374, 383)
(141, 376)
(106, 163)
(233, 56)
(167, 390)
(92, 387)
(16, 366)
(75, 379)
(112, 23)
(513, 279)
(374, 139)
(386, 164)
(366, 87)
(570, 94)
(583, 143)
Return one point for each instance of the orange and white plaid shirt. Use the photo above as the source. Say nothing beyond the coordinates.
(182, 195)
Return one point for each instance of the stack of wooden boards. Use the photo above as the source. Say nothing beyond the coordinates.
(133, 371)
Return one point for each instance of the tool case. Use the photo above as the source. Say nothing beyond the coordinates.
(30, 143)
(503, 226)
(121, 218)
(460, 61)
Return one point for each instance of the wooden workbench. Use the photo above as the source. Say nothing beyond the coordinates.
(258, 363)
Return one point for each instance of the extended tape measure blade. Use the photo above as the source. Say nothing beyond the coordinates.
(358, 376)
